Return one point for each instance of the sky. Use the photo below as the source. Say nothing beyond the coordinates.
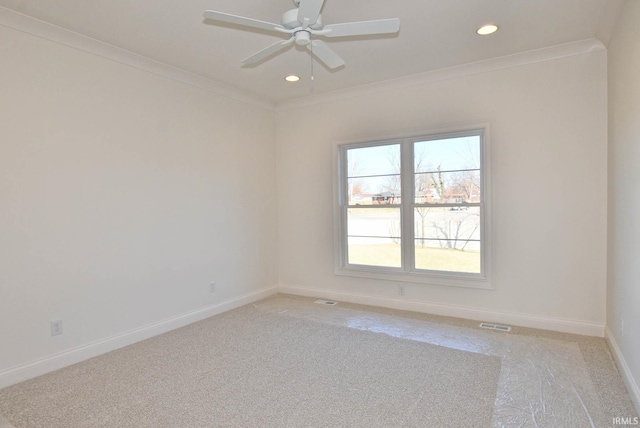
(379, 163)
(450, 154)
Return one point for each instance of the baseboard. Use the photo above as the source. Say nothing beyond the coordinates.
(625, 371)
(522, 320)
(57, 361)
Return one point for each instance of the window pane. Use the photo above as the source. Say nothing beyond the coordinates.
(374, 236)
(447, 187)
(373, 161)
(374, 190)
(435, 257)
(375, 252)
(378, 222)
(450, 154)
(448, 239)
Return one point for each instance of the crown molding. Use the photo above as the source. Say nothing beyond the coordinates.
(35, 27)
(610, 17)
(504, 62)
(44, 30)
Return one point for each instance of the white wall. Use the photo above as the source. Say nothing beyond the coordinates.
(123, 194)
(623, 297)
(548, 138)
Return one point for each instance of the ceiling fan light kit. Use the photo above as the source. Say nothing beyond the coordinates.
(304, 25)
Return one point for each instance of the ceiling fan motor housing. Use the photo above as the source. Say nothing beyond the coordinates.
(290, 21)
(303, 37)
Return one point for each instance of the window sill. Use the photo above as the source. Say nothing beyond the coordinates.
(451, 280)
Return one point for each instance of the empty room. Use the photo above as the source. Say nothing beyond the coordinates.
(320, 213)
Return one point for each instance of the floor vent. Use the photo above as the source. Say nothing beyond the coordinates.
(495, 327)
(325, 302)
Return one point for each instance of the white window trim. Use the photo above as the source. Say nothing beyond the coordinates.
(456, 279)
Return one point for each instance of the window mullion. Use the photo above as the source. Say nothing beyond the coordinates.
(408, 249)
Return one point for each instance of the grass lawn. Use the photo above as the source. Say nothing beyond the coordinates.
(444, 259)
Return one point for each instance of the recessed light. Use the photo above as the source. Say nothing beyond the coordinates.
(292, 78)
(487, 29)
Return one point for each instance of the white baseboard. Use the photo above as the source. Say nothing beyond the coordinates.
(625, 371)
(522, 320)
(57, 361)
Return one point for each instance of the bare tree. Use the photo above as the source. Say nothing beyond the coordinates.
(458, 231)
(467, 182)
(353, 169)
(423, 191)
(438, 184)
(453, 230)
(393, 183)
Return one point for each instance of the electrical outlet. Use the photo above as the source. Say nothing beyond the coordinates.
(401, 290)
(56, 327)
(212, 287)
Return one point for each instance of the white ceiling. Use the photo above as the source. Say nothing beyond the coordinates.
(434, 34)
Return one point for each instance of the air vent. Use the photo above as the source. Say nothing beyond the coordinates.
(325, 302)
(495, 327)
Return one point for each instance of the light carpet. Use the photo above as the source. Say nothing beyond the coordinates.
(251, 368)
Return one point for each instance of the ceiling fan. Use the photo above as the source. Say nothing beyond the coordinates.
(304, 24)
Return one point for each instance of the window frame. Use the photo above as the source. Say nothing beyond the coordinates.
(408, 273)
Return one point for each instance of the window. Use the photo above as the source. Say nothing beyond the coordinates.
(415, 209)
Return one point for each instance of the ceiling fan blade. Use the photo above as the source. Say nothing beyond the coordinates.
(269, 50)
(325, 54)
(363, 28)
(308, 12)
(240, 20)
